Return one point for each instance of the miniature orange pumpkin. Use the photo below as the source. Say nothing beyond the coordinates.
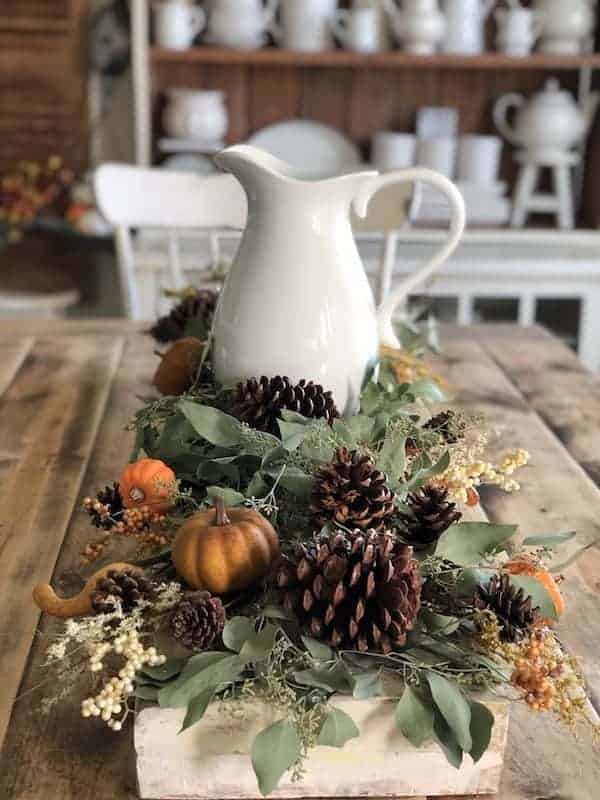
(525, 567)
(178, 366)
(148, 482)
(224, 550)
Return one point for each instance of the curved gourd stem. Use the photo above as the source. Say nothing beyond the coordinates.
(80, 605)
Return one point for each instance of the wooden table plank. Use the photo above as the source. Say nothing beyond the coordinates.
(49, 417)
(559, 388)
(12, 354)
(556, 495)
(62, 755)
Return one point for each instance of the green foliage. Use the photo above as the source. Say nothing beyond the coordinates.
(274, 751)
(414, 716)
(454, 708)
(338, 728)
(197, 708)
(467, 543)
(538, 593)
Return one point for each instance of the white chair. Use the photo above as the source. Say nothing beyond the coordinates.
(137, 197)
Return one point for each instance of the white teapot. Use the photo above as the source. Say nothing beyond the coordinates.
(241, 23)
(550, 123)
(418, 25)
(566, 24)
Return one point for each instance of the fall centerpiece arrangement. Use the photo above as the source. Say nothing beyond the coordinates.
(261, 545)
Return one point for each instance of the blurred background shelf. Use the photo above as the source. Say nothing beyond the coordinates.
(274, 56)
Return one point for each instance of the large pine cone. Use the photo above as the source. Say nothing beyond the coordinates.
(197, 620)
(259, 402)
(356, 590)
(352, 492)
(127, 586)
(512, 607)
(198, 308)
(430, 515)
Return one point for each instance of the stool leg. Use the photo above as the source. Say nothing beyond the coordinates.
(564, 193)
(526, 183)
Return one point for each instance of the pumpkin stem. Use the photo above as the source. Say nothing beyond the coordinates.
(222, 518)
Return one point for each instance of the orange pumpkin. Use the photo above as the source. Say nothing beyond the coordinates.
(178, 366)
(224, 550)
(148, 482)
(525, 567)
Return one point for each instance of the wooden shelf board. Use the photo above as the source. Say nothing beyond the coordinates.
(273, 56)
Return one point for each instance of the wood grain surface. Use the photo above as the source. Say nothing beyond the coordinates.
(68, 390)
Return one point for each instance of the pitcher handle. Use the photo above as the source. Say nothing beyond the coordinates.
(500, 114)
(197, 19)
(457, 225)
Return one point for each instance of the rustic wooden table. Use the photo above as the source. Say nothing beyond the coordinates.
(66, 393)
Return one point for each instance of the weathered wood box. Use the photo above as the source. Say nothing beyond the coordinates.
(211, 761)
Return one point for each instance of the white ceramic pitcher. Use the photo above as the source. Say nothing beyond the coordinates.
(465, 28)
(297, 301)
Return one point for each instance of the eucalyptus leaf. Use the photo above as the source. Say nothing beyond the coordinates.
(427, 390)
(467, 543)
(470, 578)
(438, 623)
(331, 679)
(361, 428)
(219, 672)
(482, 722)
(367, 684)
(294, 416)
(538, 593)
(274, 750)
(318, 650)
(236, 632)
(297, 482)
(337, 729)
(257, 487)
(392, 456)
(258, 647)
(573, 558)
(292, 434)
(549, 541)
(230, 496)
(211, 424)
(454, 707)
(414, 716)
(445, 737)
(149, 693)
(164, 672)
(197, 708)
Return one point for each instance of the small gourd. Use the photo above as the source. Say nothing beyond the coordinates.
(523, 566)
(225, 550)
(178, 366)
(80, 605)
(147, 482)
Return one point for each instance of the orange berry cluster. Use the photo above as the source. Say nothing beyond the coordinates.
(147, 526)
(535, 676)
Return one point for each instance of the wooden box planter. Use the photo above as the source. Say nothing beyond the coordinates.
(211, 761)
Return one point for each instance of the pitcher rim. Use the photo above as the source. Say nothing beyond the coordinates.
(280, 169)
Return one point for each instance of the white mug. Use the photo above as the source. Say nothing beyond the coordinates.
(306, 24)
(357, 29)
(478, 159)
(177, 23)
(384, 34)
(392, 150)
(439, 154)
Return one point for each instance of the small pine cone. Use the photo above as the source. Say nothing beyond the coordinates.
(448, 424)
(352, 492)
(197, 620)
(259, 402)
(353, 590)
(430, 515)
(195, 309)
(511, 606)
(111, 499)
(126, 585)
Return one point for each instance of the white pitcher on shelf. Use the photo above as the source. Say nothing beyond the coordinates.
(418, 25)
(242, 24)
(465, 31)
(297, 301)
(518, 29)
(177, 23)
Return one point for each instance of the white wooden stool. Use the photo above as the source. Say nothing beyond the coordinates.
(527, 200)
